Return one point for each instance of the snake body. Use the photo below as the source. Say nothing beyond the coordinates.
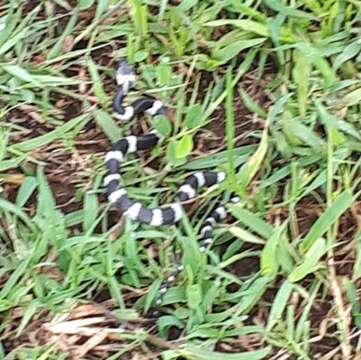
(117, 194)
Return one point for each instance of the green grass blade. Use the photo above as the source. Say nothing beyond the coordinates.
(327, 219)
(310, 262)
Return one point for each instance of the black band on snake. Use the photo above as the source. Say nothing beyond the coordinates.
(117, 194)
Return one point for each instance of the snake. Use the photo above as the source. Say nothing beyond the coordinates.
(117, 194)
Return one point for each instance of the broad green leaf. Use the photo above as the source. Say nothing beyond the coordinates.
(279, 303)
(269, 263)
(327, 219)
(108, 125)
(74, 218)
(10, 207)
(352, 98)
(277, 108)
(230, 51)
(203, 354)
(184, 146)
(90, 210)
(251, 167)
(337, 123)
(243, 9)
(319, 61)
(250, 297)
(8, 164)
(310, 262)
(251, 105)
(50, 80)
(9, 44)
(210, 295)
(25, 190)
(245, 235)
(21, 73)
(152, 294)
(348, 53)
(29, 312)
(252, 221)
(102, 7)
(74, 240)
(305, 134)
(171, 155)
(194, 116)
(289, 10)
(14, 278)
(241, 154)
(46, 200)
(185, 5)
(38, 80)
(162, 125)
(85, 4)
(58, 133)
(168, 321)
(246, 25)
(194, 296)
(9, 22)
(301, 75)
(97, 82)
(115, 291)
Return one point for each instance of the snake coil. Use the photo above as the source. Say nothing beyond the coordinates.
(117, 193)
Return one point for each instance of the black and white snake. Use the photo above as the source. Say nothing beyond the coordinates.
(117, 194)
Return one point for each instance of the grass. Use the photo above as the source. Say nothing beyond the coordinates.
(268, 91)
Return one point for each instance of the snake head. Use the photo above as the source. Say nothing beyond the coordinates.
(125, 75)
(124, 68)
